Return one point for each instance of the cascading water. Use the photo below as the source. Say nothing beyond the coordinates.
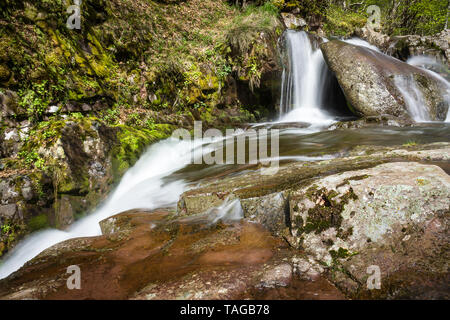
(143, 186)
(435, 68)
(304, 81)
(413, 96)
(155, 180)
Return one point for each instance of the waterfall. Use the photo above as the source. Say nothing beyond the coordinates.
(437, 70)
(413, 98)
(304, 81)
(143, 186)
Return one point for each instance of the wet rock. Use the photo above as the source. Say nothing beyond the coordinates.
(158, 258)
(79, 160)
(9, 105)
(436, 46)
(270, 211)
(370, 80)
(291, 21)
(380, 216)
(403, 47)
(372, 121)
(260, 194)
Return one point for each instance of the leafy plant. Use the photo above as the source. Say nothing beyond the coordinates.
(6, 229)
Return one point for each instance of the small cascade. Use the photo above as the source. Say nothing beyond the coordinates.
(229, 210)
(413, 98)
(142, 187)
(438, 70)
(304, 81)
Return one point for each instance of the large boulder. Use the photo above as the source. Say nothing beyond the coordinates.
(376, 84)
(393, 217)
(264, 198)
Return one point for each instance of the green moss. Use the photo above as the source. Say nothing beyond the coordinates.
(340, 254)
(38, 222)
(342, 22)
(131, 143)
(327, 210)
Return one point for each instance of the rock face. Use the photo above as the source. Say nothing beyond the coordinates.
(76, 162)
(436, 46)
(291, 21)
(394, 216)
(403, 47)
(370, 81)
(373, 213)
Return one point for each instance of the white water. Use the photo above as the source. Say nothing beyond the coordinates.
(413, 97)
(142, 187)
(362, 43)
(432, 66)
(230, 210)
(303, 82)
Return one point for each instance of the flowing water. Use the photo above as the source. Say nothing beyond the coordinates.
(165, 170)
(413, 96)
(304, 82)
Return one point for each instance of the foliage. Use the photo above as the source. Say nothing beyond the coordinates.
(342, 22)
(425, 17)
(32, 158)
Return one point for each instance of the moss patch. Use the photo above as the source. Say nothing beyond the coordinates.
(327, 211)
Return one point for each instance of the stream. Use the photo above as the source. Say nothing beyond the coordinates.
(163, 172)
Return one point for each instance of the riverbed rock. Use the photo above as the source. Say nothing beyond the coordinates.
(388, 214)
(149, 255)
(384, 120)
(263, 197)
(370, 81)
